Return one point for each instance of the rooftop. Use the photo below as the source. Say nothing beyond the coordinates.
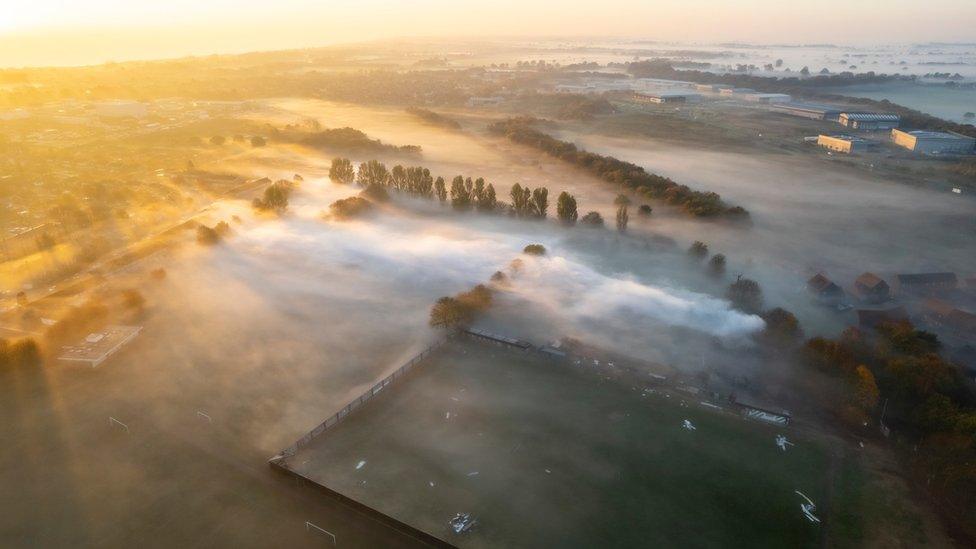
(809, 107)
(870, 116)
(926, 134)
(96, 347)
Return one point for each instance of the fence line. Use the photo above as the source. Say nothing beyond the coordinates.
(373, 391)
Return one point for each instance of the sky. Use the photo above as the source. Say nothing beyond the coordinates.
(74, 32)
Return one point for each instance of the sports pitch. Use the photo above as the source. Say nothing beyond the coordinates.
(544, 453)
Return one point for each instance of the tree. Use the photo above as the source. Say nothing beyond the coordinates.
(540, 201)
(644, 210)
(19, 354)
(535, 249)
(716, 265)
(218, 140)
(621, 200)
(441, 190)
(372, 172)
(258, 141)
(342, 171)
(698, 250)
(490, 201)
(447, 313)
(866, 394)
(521, 200)
(782, 329)
(275, 197)
(622, 218)
(349, 208)
(566, 208)
(133, 299)
(376, 193)
(398, 177)
(460, 196)
(207, 236)
(745, 295)
(805, 71)
(478, 192)
(592, 219)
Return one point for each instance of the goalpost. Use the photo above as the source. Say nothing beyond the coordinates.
(309, 526)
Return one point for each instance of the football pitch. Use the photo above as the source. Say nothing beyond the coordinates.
(544, 453)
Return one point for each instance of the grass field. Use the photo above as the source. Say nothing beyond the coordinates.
(545, 454)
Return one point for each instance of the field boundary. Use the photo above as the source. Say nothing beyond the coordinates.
(279, 463)
(368, 395)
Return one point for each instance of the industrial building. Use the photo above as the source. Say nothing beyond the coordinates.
(928, 142)
(713, 88)
(667, 97)
(869, 120)
(769, 98)
(927, 283)
(121, 109)
(737, 91)
(808, 110)
(845, 143)
(646, 83)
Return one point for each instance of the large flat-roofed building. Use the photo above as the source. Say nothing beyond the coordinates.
(927, 283)
(714, 88)
(97, 347)
(869, 120)
(845, 143)
(737, 91)
(667, 97)
(769, 97)
(928, 142)
(808, 110)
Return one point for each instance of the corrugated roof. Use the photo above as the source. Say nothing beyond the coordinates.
(871, 116)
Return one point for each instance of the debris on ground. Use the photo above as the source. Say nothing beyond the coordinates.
(462, 522)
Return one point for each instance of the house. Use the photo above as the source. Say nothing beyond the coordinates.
(942, 313)
(872, 318)
(824, 290)
(927, 283)
(870, 288)
(869, 120)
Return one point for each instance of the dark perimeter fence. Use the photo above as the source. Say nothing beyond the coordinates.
(280, 462)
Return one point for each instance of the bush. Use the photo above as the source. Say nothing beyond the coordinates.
(349, 208)
(207, 236)
(592, 219)
(376, 193)
(745, 295)
(535, 249)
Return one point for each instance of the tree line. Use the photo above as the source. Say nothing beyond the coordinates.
(434, 118)
(894, 375)
(17, 354)
(470, 194)
(619, 172)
